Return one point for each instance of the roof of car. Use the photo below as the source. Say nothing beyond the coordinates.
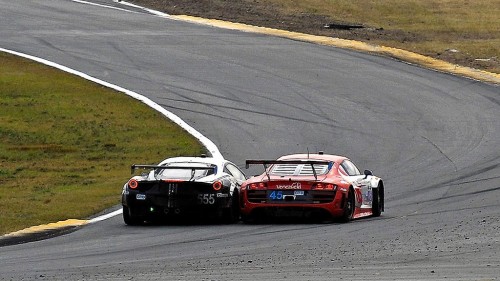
(324, 157)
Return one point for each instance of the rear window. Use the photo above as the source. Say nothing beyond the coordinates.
(185, 174)
(298, 169)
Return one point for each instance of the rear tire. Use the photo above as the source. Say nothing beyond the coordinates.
(349, 207)
(232, 214)
(378, 201)
(129, 219)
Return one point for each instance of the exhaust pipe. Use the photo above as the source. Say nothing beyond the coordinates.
(177, 211)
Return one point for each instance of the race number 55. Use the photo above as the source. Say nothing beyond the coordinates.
(206, 199)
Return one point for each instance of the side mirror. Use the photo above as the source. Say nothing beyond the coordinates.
(368, 173)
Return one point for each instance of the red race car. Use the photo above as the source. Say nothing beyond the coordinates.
(314, 185)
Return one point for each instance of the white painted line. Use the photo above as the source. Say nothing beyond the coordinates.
(210, 146)
(103, 6)
(151, 11)
(107, 216)
(154, 12)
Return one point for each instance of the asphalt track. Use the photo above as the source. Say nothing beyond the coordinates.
(433, 137)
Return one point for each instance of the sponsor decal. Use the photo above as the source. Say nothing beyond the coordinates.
(295, 185)
(368, 196)
(140, 196)
(222, 195)
(343, 189)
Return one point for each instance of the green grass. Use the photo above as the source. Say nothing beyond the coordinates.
(470, 26)
(66, 144)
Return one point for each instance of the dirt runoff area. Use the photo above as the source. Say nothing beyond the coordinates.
(263, 13)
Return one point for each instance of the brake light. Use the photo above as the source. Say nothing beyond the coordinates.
(325, 186)
(172, 180)
(258, 185)
(217, 185)
(133, 184)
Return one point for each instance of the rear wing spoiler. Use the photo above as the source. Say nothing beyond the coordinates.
(192, 168)
(270, 162)
(305, 162)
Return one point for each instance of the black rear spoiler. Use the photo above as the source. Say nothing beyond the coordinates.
(305, 162)
(135, 167)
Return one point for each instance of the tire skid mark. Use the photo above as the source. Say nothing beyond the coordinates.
(403, 55)
(207, 114)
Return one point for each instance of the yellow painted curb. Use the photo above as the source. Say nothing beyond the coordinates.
(351, 44)
(45, 227)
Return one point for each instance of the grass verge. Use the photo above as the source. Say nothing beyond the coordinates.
(66, 144)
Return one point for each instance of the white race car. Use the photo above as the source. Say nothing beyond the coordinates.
(183, 187)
